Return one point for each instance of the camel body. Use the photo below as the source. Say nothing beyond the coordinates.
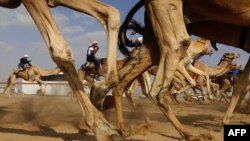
(226, 22)
(224, 67)
(32, 73)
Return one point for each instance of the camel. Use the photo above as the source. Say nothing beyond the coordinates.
(171, 49)
(227, 81)
(224, 66)
(145, 59)
(197, 49)
(32, 73)
(170, 56)
(62, 55)
(170, 46)
(88, 71)
(225, 22)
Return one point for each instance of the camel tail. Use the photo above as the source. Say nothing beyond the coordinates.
(50, 72)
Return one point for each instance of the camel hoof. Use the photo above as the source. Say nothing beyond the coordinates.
(97, 94)
(210, 97)
(116, 137)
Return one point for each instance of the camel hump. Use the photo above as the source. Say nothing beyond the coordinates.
(43, 72)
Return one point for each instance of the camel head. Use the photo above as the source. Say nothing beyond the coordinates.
(231, 56)
(201, 46)
(203, 41)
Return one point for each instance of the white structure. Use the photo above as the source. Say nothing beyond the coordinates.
(51, 87)
(54, 85)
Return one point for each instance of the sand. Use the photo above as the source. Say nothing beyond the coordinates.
(59, 118)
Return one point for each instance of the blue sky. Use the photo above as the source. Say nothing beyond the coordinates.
(19, 35)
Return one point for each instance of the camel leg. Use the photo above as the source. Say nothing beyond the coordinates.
(164, 106)
(215, 89)
(121, 87)
(169, 57)
(41, 85)
(197, 71)
(62, 56)
(109, 17)
(130, 91)
(161, 20)
(145, 82)
(223, 92)
(81, 74)
(239, 91)
(10, 83)
(186, 75)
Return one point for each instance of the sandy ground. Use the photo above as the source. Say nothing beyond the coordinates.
(59, 118)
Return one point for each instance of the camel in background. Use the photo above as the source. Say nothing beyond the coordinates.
(168, 19)
(224, 66)
(32, 73)
(225, 22)
(226, 82)
(163, 46)
(62, 55)
(160, 86)
(88, 71)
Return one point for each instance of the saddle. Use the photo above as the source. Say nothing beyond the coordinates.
(89, 65)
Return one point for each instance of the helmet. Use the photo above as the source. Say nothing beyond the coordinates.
(140, 39)
(26, 55)
(95, 42)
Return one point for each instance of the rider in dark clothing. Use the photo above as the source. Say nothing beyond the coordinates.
(24, 62)
(92, 50)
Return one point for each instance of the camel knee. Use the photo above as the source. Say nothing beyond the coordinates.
(113, 19)
(52, 3)
(62, 57)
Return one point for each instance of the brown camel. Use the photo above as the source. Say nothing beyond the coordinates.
(224, 66)
(162, 15)
(32, 73)
(159, 24)
(88, 71)
(171, 46)
(197, 49)
(226, 22)
(227, 81)
(62, 55)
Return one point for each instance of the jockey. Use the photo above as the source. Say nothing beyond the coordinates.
(92, 50)
(235, 70)
(24, 62)
(139, 40)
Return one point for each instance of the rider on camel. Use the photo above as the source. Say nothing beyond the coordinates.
(92, 50)
(24, 63)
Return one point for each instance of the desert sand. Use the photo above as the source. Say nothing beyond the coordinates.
(59, 118)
